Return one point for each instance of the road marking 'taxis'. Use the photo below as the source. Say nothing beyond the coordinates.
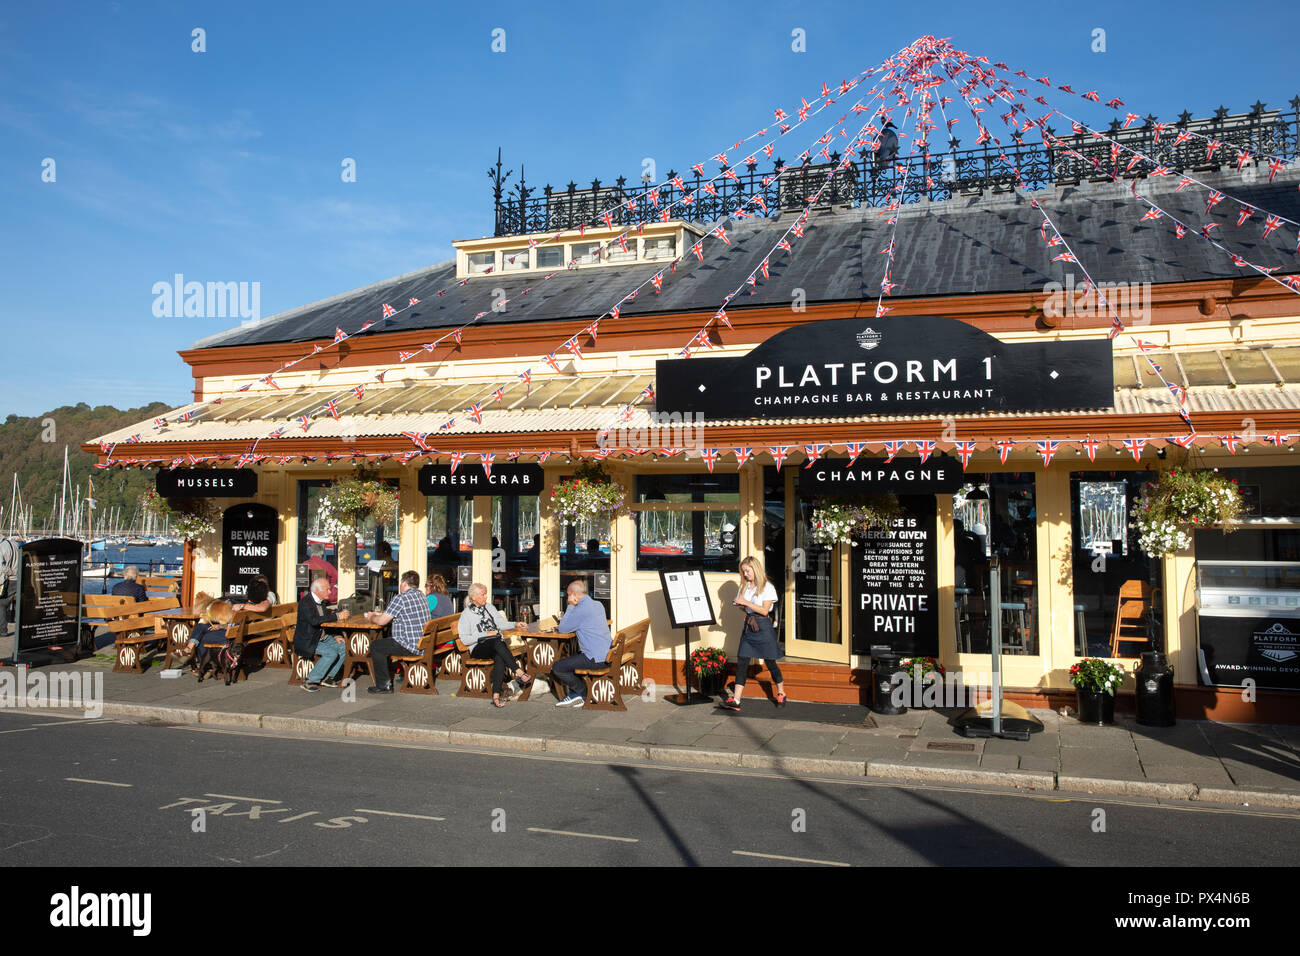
(226, 796)
(790, 859)
(589, 836)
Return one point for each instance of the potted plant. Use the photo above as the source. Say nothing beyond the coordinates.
(1095, 681)
(589, 495)
(190, 518)
(346, 501)
(709, 665)
(1179, 502)
(925, 671)
(839, 520)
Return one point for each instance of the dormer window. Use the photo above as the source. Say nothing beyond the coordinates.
(481, 263)
(611, 246)
(513, 260)
(659, 247)
(587, 253)
(549, 257)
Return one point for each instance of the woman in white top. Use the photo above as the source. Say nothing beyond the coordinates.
(758, 639)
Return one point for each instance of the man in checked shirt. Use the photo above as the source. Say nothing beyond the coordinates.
(408, 611)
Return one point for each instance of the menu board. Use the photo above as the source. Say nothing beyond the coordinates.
(895, 591)
(687, 598)
(49, 598)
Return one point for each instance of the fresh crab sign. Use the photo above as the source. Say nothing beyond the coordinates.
(913, 365)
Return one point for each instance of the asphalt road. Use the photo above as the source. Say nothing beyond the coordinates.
(116, 792)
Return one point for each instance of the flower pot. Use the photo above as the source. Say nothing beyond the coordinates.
(1094, 707)
(710, 684)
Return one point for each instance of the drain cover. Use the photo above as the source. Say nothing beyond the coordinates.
(952, 746)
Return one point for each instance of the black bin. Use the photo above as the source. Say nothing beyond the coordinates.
(1155, 691)
(884, 664)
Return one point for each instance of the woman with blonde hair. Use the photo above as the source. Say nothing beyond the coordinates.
(758, 639)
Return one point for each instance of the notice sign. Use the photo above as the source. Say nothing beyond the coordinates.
(1263, 649)
(49, 595)
(687, 598)
(250, 535)
(895, 586)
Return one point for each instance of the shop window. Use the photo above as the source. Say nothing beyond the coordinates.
(449, 535)
(1117, 587)
(996, 515)
(774, 555)
(691, 521)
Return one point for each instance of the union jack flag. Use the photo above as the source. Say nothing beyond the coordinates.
(332, 406)
(783, 244)
(1004, 448)
(1047, 450)
(1090, 445)
(1135, 446)
(722, 234)
(854, 449)
(1271, 223)
(550, 360)
(1278, 440)
(456, 458)
(698, 249)
(388, 311)
(1230, 442)
(743, 455)
(1274, 166)
(710, 456)
(526, 376)
(339, 335)
(778, 454)
(413, 301)
(926, 449)
(499, 395)
(893, 448)
(813, 452)
(487, 462)
(1180, 230)
(657, 280)
(1243, 157)
(269, 380)
(448, 424)
(403, 356)
(965, 450)
(359, 391)
(305, 422)
(1185, 441)
(1153, 213)
(476, 412)
(1246, 213)
(1213, 200)
(418, 438)
(573, 346)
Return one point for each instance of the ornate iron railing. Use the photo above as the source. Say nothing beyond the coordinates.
(929, 175)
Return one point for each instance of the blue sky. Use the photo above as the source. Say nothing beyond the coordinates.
(225, 165)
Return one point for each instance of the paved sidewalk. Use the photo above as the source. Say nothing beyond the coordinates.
(1195, 760)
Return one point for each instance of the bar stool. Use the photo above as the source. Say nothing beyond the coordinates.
(1080, 631)
(1015, 623)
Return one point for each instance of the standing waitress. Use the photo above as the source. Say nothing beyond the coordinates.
(758, 639)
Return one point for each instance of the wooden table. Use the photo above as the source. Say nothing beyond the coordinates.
(357, 634)
(178, 623)
(544, 649)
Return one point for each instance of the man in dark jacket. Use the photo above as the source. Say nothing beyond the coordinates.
(130, 585)
(307, 643)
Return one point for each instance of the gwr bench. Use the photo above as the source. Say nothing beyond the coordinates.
(421, 669)
(134, 630)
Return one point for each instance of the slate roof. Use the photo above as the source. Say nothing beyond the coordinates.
(973, 245)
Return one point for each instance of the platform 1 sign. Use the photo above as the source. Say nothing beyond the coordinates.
(910, 365)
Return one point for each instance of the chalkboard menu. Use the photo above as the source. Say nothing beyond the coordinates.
(1257, 647)
(49, 595)
(895, 592)
(250, 534)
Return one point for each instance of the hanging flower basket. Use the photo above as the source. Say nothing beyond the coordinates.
(589, 494)
(1182, 500)
(345, 502)
(190, 518)
(837, 522)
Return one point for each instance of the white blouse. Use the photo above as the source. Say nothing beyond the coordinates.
(768, 594)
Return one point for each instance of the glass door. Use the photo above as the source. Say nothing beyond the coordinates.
(815, 626)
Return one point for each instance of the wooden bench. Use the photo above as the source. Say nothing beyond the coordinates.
(134, 631)
(603, 690)
(631, 674)
(420, 671)
(160, 586)
(267, 635)
(475, 673)
(92, 615)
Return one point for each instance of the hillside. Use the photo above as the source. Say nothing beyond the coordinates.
(32, 449)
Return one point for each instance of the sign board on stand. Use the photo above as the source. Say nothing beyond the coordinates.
(49, 597)
(689, 605)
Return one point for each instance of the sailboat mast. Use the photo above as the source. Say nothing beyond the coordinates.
(63, 502)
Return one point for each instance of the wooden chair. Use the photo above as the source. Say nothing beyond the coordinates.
(421, 669)
(476, 673)
(1132, 615)
(160, 587)
(631, 674)
(135, 631)
(267, 635)
(603, 690)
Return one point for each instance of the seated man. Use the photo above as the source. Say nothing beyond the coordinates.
(408, 612)
(587, 617)
(480, 630)
(312, 613)
(130, 585)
